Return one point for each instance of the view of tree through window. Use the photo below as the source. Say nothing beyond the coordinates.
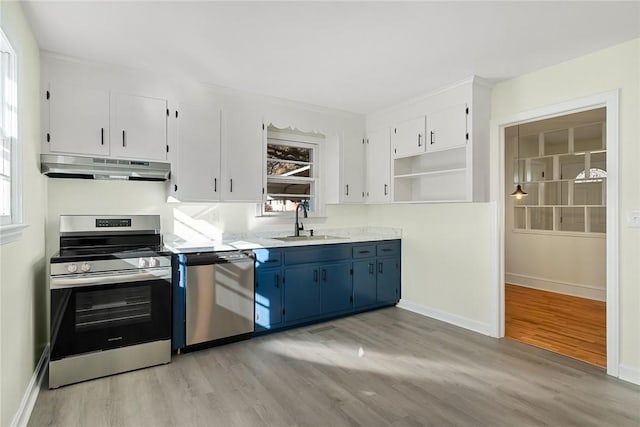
(291, 176)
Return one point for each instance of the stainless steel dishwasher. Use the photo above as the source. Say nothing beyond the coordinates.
(219, 296)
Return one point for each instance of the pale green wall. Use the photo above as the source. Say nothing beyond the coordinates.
(447, 257)
(23, 291)
(614, 68)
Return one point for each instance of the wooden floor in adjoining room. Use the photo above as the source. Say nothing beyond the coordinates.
(572, 326)
(381, 368)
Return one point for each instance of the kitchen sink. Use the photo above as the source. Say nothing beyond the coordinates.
(307, 238)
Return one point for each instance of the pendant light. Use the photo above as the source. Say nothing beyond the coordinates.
(519, 193)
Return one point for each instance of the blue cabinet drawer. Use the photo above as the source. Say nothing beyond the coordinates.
(388, 249)
(364, 251)
(267, 258)
(317, 254)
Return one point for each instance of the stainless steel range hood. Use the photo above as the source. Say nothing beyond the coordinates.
(57, 166)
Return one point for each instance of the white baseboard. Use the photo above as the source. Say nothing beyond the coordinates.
(454, 319)
(566, 288)
(21, 418)
(629, 373)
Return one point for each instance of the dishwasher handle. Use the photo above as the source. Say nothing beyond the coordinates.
(210, 258)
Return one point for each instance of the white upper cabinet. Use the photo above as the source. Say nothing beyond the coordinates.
(138, 127)
(378, 167)
(97, 122)
(447, 128)
(343, 167)
(352, 169)
(242, 146)
(78, 120)
(195, 175)
(408, 137)
(439, 145)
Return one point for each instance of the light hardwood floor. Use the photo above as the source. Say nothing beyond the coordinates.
(387, 367)
(575, 327)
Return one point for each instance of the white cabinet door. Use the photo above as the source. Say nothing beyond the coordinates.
(447, 128)
(196, 170)
(242, 168)
(138, 127)
(378, 167)
(408, 137)
(78, 120)
(352, 169)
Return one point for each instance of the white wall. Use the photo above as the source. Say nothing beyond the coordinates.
(610, 69)
(78, 196)
(572, 263)
(23, 289)
(446, 259)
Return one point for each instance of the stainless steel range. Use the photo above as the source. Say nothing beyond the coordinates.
(110, 297)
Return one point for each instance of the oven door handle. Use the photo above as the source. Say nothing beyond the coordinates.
(102, 279)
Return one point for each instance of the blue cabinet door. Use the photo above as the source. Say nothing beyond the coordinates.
(364, 283)
(301, 292)
(388, 280)
(268, 299)
(336, 288)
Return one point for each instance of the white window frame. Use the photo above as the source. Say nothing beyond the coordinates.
(296, 140)
(11, 226)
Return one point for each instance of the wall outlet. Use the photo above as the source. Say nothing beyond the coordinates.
(633, 219)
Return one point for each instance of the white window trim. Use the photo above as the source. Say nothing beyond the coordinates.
(13, 231)
(318, 215)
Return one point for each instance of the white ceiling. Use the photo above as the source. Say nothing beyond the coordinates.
(354, 56)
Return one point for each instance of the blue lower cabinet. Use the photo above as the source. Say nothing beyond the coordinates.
(336, 287)
(364, 283)
(388, 280)
(268, 299)
(301, 293)
(312, 283)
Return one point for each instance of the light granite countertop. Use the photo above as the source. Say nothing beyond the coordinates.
(268, 239)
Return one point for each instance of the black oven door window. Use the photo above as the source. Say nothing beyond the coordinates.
(93, 318)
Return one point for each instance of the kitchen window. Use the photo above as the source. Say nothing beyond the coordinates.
(10, 194)
(291, 166)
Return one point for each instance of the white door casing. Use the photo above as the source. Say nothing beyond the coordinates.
(610, 101)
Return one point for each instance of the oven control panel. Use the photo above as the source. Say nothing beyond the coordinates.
(101, 266)
(113, 222)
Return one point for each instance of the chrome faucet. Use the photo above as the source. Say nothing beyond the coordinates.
(299, 226)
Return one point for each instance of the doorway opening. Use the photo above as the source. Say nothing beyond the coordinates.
(542, 219)
(555, 234)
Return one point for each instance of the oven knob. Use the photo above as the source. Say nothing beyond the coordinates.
(85, 267)
(72, 268)
(153, 262)
(142, 263)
